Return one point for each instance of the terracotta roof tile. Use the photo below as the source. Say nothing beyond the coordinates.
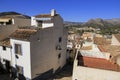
(98, 63)
(100, 41)
(43, 16)
(101, 48)
(117, 36)
(23, 34)
(113, 49)
(86, 48)
(5, 42)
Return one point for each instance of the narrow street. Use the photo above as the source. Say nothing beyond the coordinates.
(4, 75)
(64, 74)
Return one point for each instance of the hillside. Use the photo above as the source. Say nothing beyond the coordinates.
(69, 23)
(96, 23)
(13, 14)
(103, 22)
(106, 26)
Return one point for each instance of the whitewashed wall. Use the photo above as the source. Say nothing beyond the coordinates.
(46, 25)
(5, 54)
(85, 73)
(33, 21)
(24, 60)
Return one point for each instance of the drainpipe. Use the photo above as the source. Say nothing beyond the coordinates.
(11, 55)
(11, 62)
(13, 21)
(16, 56)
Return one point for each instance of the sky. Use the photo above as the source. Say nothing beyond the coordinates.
(70, 10)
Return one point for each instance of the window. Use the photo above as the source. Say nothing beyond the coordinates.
(58, 47)
(59, 56)
(8, 23)
(110, 57)
(40, 24)
(60, 39)
(4, 48)
(18, 49)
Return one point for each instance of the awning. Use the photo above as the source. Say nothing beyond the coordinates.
(4, 19)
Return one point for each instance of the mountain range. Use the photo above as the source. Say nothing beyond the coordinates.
(8, 14)
(98, 22)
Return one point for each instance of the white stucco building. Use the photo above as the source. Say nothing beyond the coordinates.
(37, 52)
(92, 68)
(98, 60)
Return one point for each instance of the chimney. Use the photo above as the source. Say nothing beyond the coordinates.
(53, 12)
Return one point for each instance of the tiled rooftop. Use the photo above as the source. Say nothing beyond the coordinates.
(96, 59)
(15, 16)
(101, 48)
(117, 36)
(113, 49)
(98, 63)
(86, 48)
(23, 34)
(5, 42)
(101, 41)
(43, 16)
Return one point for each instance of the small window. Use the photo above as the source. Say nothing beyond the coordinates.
(59, 56)
(40, 24)
(18, 49)
(4, 48)
(60, 39)
(58, 47)
(110, 56)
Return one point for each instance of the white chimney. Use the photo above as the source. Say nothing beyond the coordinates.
(53, 12)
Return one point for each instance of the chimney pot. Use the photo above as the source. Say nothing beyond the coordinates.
(53, 12)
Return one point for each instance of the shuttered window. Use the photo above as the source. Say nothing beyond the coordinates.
(18, 49)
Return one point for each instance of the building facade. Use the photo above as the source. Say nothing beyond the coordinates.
(40, 51)
(97, 60)
(10, 22)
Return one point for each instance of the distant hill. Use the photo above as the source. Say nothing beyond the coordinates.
(98, 22)
(69, 23)
(11, 13)
(114, 21)
(103, 22)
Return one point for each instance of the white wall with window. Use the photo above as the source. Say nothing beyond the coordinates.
(46, 25)
(5, 53)
(21, 56)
